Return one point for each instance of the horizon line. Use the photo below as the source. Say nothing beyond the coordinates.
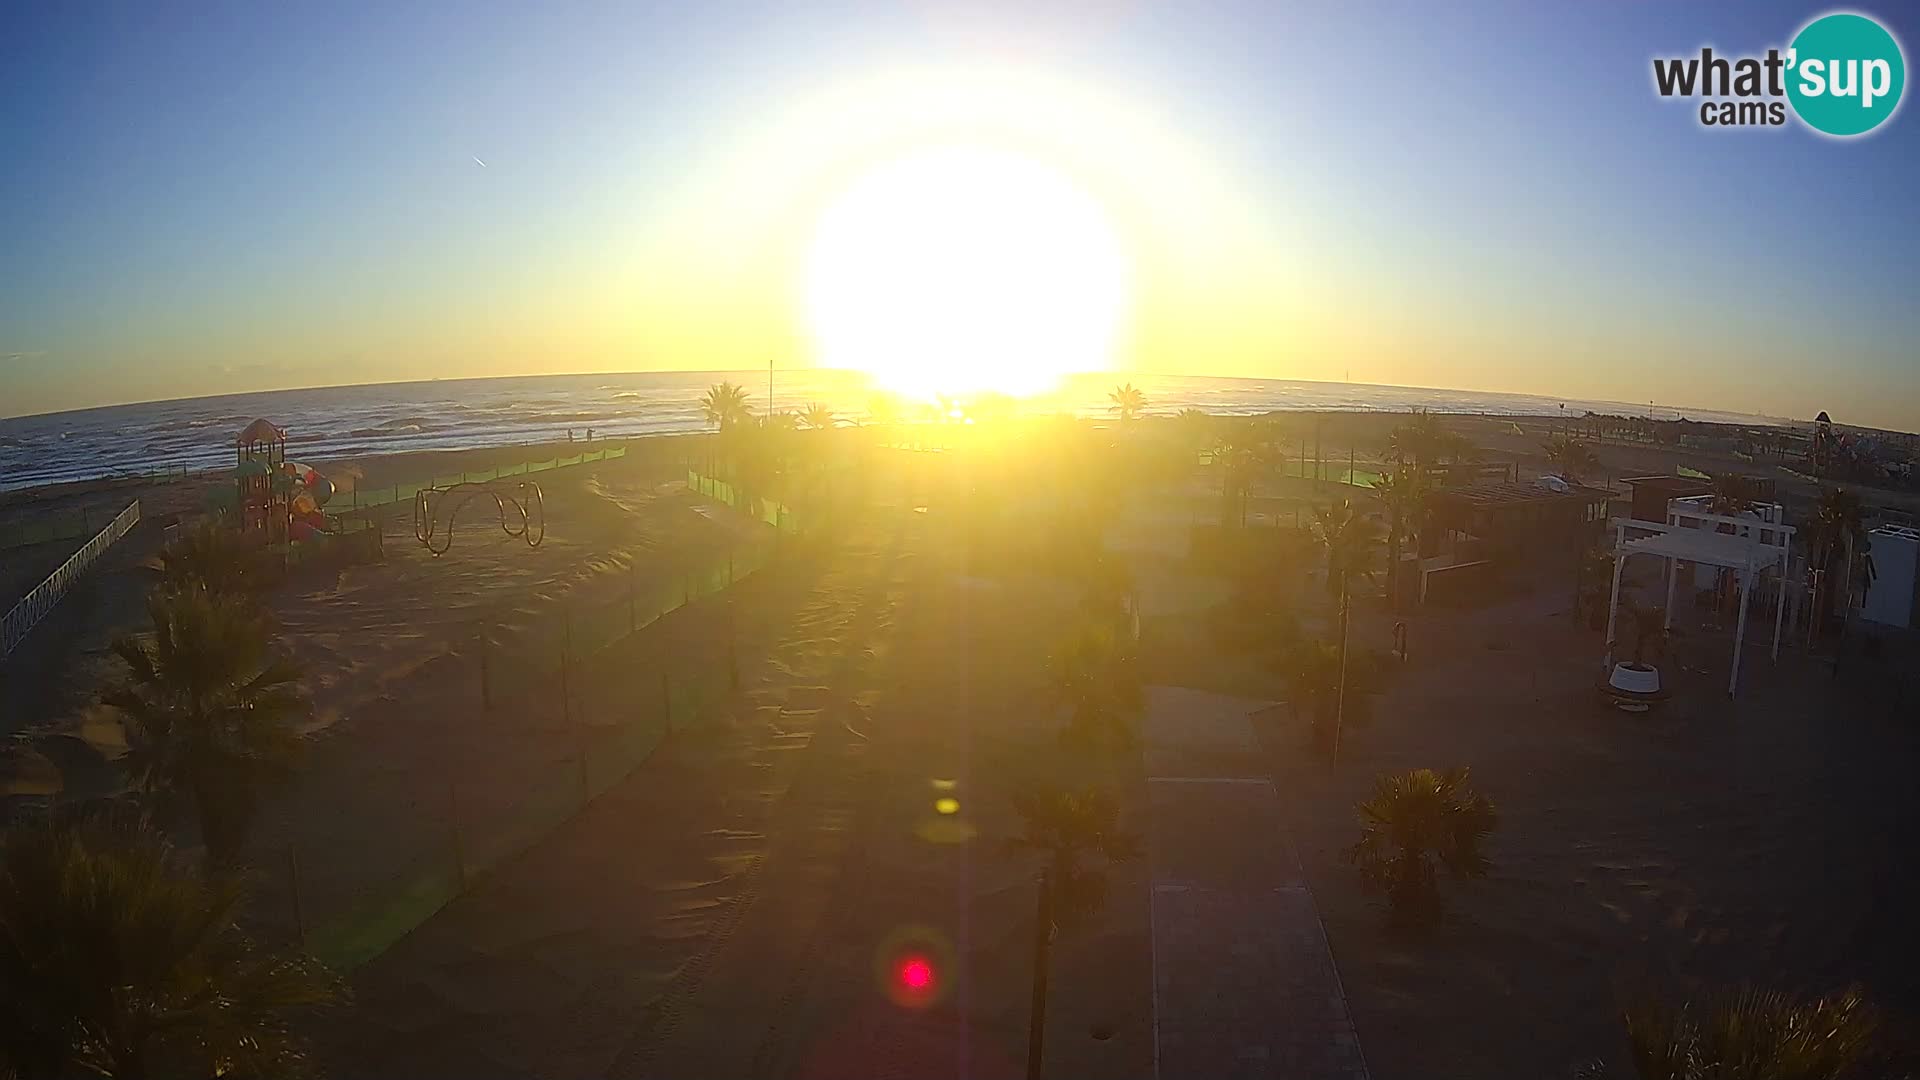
(1678, 410)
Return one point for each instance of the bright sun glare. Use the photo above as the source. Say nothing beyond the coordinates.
(965, 269)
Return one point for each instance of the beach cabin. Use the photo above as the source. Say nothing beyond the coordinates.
(1472, 530)
(1651, 494)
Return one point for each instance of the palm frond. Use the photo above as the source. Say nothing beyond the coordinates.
(123, 963)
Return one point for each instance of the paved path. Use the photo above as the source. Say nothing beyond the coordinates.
(1244, 981)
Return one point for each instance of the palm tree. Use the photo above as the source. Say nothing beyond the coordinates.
(212, 556)
(1404, 493)
(1128, 401)
(1065, 825)
(1592, 576)
(1649, 625)
(1094, 675)
(817, 417)
(1348, 539)
(1729, 495)
(1420, 440)
(1415, 823)
(1839, 524)
(210, 711)
(724, 405)
(1313, 673)
(115, 963)
(1755, 1035)
(1243, 453)
(1068, 825)
(1573, 459)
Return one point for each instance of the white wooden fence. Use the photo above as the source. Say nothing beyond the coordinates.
(34, 606)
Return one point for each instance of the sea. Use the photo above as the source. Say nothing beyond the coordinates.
(447, 414)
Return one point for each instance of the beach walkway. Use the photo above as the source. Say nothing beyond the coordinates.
(1244, 983)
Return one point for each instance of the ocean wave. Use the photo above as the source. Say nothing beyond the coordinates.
(384, 431)
(572, 417)
(188, 425)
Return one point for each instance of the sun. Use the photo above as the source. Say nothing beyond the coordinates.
(964, 269)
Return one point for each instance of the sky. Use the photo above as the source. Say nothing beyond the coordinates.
(213, 199)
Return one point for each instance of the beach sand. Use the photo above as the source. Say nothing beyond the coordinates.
(721, 909)
(732, 908)
(1706, 844)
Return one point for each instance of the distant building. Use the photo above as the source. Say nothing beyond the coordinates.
(1473, 530)
(1652, 493)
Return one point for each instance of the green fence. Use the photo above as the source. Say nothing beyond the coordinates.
(556, 674)
(1335, 473)
(365, 498)
(773, 512)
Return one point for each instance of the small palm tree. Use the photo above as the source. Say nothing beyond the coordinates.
(1095, 676)
(1755, 1035)
(724, 405)
(1593, 574)
(1128, 401)
(1573, 459)
(115, 963)
(1415, 823)
(211, 556)
(1839, 534)
(1419, 441)
(1067, 826)
(1348, 540)
(817, 417)
(1238, 450)
(1404, 493)
(211, 713)
(1313, 671)
(1730, 493)
(1649, 626)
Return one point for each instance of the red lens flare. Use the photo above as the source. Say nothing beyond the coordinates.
(916, 974)
(915, 967)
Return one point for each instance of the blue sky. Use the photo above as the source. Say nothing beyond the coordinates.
(239, 197)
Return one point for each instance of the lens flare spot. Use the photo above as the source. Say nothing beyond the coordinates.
(947, 806)
(916, 974)
(914, 966)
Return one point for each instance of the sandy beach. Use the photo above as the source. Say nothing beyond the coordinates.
(728, 901)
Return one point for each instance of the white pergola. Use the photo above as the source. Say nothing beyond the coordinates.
(1749, 547)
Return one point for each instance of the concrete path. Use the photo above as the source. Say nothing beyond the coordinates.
(1244, 981)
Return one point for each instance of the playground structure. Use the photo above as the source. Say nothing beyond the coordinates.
(521, 508)
(260, 451)
(277, 500)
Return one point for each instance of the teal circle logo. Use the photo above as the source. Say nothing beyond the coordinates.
(1845, 73)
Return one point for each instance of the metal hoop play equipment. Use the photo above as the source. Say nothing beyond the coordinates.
(522, 509)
